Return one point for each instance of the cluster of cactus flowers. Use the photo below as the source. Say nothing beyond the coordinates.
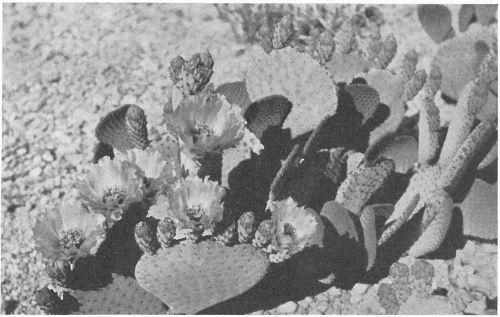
(238, 180)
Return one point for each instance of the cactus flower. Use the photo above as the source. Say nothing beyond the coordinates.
(69, 233)
(295, 229)
(207, 123)
(110, 186)
(193, 204)
(155, 170)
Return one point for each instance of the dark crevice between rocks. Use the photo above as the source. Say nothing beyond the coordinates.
(10, 306)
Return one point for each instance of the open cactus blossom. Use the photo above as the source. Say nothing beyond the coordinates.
(155, 170)
(194, 204)
(295, 229)
(71, 232)
(110, 186)
(207, 123)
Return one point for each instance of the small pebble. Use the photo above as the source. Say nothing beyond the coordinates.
(47, 157)
(476, 307)
(35, 172)
(334, 292)
(359, 289)
(287, 308)
(322, 306)
(21, 151)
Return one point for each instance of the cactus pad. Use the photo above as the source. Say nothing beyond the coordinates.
(343, 68)
(299, 78)
(403, 150)
(436, 21)
(267, 112)
(366, 99)
(235, 93)
(124, 128)
(190, 278)
(458, 60)
(390, 88)
(466, 16)
(480, 210)
(122, 296)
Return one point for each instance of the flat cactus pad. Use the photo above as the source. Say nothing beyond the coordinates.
(299, 78)
(480, 210)
(124, 128)
(122, 296)
(190, 278)
(235, 93)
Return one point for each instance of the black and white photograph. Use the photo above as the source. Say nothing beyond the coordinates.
(249, 158)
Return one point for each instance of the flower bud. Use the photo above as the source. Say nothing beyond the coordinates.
(166, 232)
(145, 235)
(246, 227)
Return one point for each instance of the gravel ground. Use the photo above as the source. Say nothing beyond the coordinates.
(65, 66)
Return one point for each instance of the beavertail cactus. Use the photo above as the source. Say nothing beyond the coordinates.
(263, 234)
(190, 278)
(459, 58)
(267, 112)
(228, 235)
(300, 79)
(353, 196)
(436, 21)
(432, 185)
(122, 296)
(235, 93)
(145, 235)
(124, 128)
(165, 232)
(480, 210)
(365, 98)
(191, 76)
(246, 227)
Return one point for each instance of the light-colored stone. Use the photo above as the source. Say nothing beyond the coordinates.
(476, 307)
(359, 289)
(47, 157)
(287, 308)
(334, 292)
(35, 172)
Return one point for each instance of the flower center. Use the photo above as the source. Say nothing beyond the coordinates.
(113, 195)
(288, 230)
(202, 131)
(194, 212)
(71, 238)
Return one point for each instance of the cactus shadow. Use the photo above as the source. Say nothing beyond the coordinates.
(308, 273)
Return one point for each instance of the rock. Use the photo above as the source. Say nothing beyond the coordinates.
(35, 172)
(422, 270)
(322, 306)
(434, 305)
(476, 307)
(21, 151)
(359, 289)
(47, 157)
(287, 308)
(334, 292)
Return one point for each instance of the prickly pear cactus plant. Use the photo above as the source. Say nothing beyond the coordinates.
(190, 278)
(432, 186)
(245, 179)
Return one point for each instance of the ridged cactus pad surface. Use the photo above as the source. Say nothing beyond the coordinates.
(124, 128)
(122, 296)
(192, 277)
